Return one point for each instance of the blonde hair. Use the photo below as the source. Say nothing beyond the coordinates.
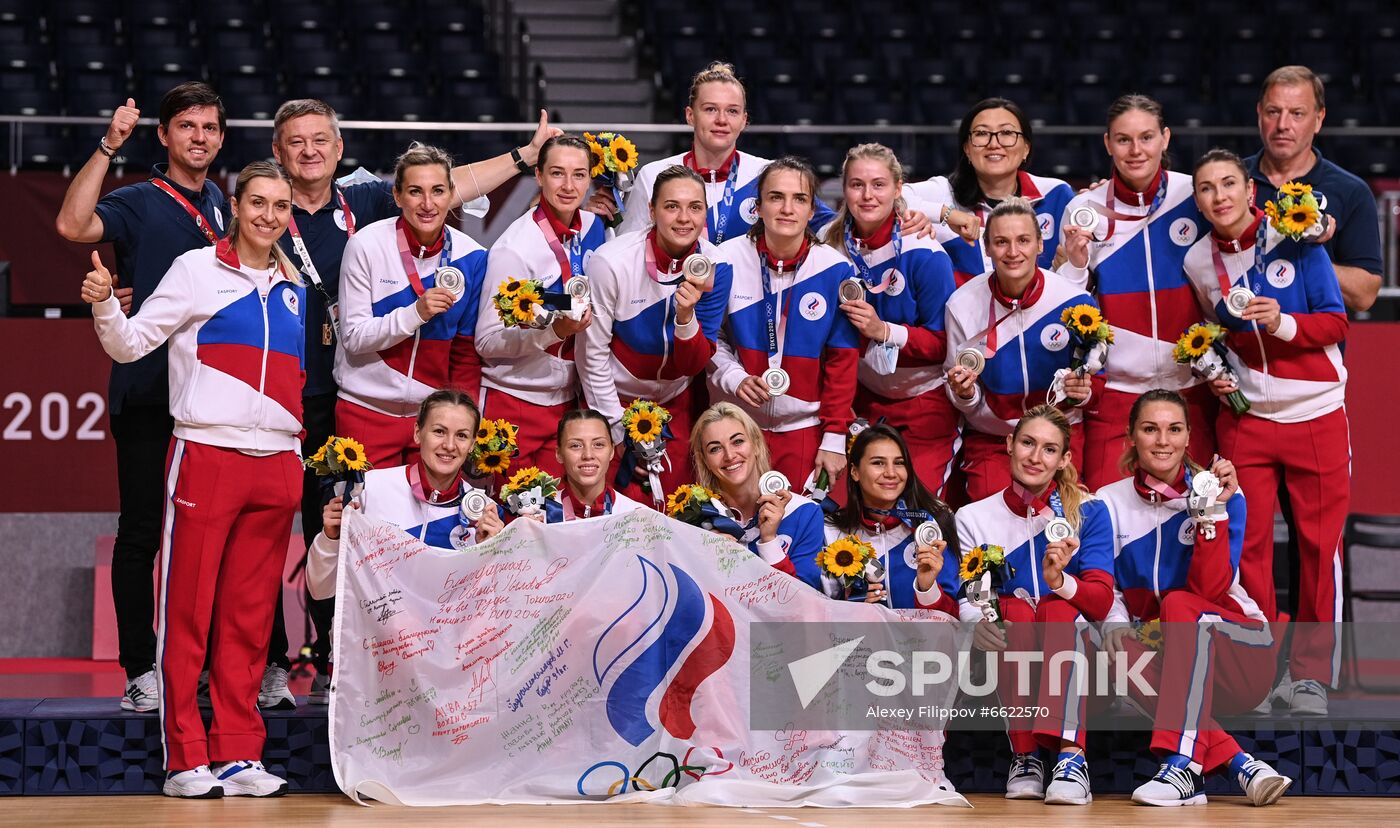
(1072, 495)
(420, 155)
(264, 169)
(836, 231)
(1014, 206)
(726, 411)
(716, 72)
(1295, 75)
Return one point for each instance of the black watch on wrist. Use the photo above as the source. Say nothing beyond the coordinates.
(519, 162)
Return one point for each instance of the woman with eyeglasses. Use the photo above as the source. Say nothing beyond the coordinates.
(995, 140)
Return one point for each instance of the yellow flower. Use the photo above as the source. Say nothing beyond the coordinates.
(510, 287)
(644, 425)
(522, 306)
(319, 456)
(1195, 342)
(595, 158)
(351, 454)
(624, 154)
(1295, 189)
(845, 557)
(1085, 318)
(493, 462)
(973, 564)
(485, 432)
(679, 499)
(523, 479)
(1297, 219)
(507, 430)
(1150, 634)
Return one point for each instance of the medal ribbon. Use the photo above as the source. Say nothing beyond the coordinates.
(1115, 216)
(720, 218)
(410, 269)
(570, 263)
(777, 322)
(195, 215)
(568, 503)
(853, 250)
(1254, 275)
(649, 260)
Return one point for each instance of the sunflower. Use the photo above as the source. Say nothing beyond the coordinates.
(623, 153)
(679, 499)
(507, 429)
(644, 425)
(523, 479)
(844, 557)
(351, 454)
(485, 432)
(493, 462)
(522, 306)
(595, 158)
(1297, 219)
(1197, 342)
(1295, 189)
(1086, 319)
(510, 287)
(973, 564)
(319, 456)
(1150, 634)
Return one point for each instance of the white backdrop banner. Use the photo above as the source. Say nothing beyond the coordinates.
(597, 660)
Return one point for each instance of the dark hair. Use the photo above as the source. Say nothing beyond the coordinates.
(675, 172)
(1291, 75)
(915, 496)
(188, 95)
(564, 141)
(1128, 463)
(422, 155)
(1127, 103)
(804, 171)
(1220, 155)
(577, 414)
(446, 396)
(966, 189)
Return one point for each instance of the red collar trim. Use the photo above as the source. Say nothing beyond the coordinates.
(873, 522)
(225, 252)
(595, 508)
(882, 234)
(1027, 187)
(718, 174)
(664, 262)
(1132, 197)
(782, 266)
(415, 248)
(1018, 498)
(1246, 239)
(557, 224)
(1029, 297)
(418, 481)
(1147, 493)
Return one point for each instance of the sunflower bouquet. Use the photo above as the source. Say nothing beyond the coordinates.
(1090, 334)
(531, 492)
(612, 158)
(645, 432)
(698, 506)
(343, 461)
(846, 562)
(520, 304)
(494, 448)
(1202, 346)
(982, 568)
(1149, 634)
(1296, 214)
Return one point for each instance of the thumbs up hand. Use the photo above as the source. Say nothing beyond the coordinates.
(97, 287)
(123, 122)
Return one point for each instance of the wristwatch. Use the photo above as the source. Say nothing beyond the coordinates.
(519, 162)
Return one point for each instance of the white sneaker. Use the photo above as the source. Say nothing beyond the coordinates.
(1026, 779)
(198, 783)
(320, 689)
(1069, 785)
(142, 693)
(1309, 698)
(1261, 783)
(1174, 784)
(248, 778)
(274, 694)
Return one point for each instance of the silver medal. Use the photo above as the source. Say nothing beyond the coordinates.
(928, 533)
(451, 280)
(698, 270)
(1058, 529)
(1238, 299)
(972, 359)
(579, 291)
(772, 482)
(1084, 217)
(851, 290)
(474, 505)
(1205, 484)
(776, 380)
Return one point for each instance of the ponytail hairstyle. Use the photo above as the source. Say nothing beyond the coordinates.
(675, 172)
(1128, 463)
(804, 171)
(1216, 154)
(1014, 206)
(264, 169)
(716, 72)
(713, 414)
(447, 396)
(1127, 103)
(418, 155)
(915, 496)
(1072, 495)
(836, 231)
(963, 180)
(576, 415)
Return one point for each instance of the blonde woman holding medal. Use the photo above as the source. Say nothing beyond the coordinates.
(1280, 302)
(789, 354)
(528, 375)
(658, 305)
(897, 303)
(1006, 343)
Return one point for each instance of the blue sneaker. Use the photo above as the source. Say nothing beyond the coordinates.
(1174, 784)
(1069, 785)
(1261, 783)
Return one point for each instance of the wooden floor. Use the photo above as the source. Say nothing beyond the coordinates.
(336, 810)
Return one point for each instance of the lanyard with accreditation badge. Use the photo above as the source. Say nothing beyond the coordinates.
(330, 329)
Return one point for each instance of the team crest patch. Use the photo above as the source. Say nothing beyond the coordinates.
(1280, 274)
(289, 298)
(1183, 232)
(219, 219)
(1054, 337)
(1187, 533)
(897, 282)
(339, 216)
(748, 208)
(813, 306)
(1047, 225)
